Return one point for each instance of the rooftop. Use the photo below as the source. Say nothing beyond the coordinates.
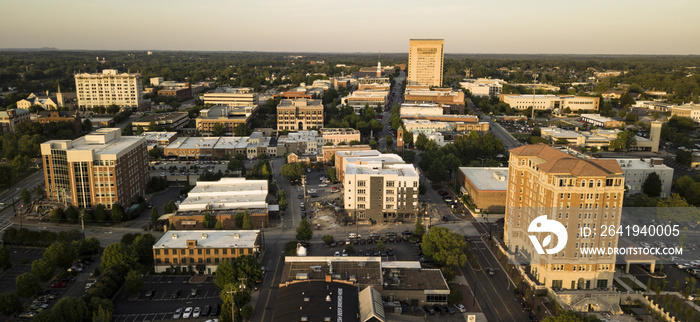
(414, 279)
(487, 179)
(597, 118)
(316, 301)
(194, 142)
(209, 238)
(104, 141)
(641, 163)
(558, 162)
(162, 118)
(300, 102)
(363, 270)
(227, 193)
(401, 170)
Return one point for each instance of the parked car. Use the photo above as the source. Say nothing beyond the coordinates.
(206, 310)
(449, 309)
(196, 312)
(176, 295)
(150, 294)
(187, 313)
(490, 271)
(177, 314)
(460, 307)
(323, 185)
(193, 292)
(59, 285)
(429, 309)
(439, 308)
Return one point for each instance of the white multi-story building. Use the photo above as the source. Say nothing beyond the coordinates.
(483, 86)
(109, 88)
(226, 194)
(233, 97)
(688, 110)
(420, 110)
(431, 136)
(551, 102)
(359, 99)
(425, 61)
(636, 172)
(381, 192)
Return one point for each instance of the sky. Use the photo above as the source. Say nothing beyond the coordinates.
(467, 26)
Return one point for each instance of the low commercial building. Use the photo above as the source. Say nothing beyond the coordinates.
(180, 94)
(381, 193)
(407, 281)
(299, 114)
(328, 152)
(202, 250)
(337, 136)
(10, 118)
(317, 301)
(450, 101)
(636, 172)
(372, 98)
(191, 148)
(688, 110)
(233, 97)
(556, 103)
(224, 198)
(158, 139)
(601, 121)
(164, 121)
(72, 117)
(487, 187)
(301, 143)
(600, 138)
(227, 116)
(483, 86)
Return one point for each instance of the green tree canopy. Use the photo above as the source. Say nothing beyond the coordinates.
(652, 185)
(9, 303)
(444, 246)
(119, 255)
(304, 231)
(71, 309)
(419, 229)
(154, 215)
(27, 284)
(61, 254)
(247, 221)
(421, 141)
(43, 269)
(133, 282)
(292, 171)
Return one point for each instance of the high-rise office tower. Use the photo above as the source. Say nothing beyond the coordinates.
(425, 60)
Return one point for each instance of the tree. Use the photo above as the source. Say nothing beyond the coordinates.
(455, 296)
(350, 250)
(242, 130)
(5, 255)
(61, 254)
(208, 221)
(381, 246)
(156, 153)
(119, 255)
(652, 185)
(87, 125)
(292, 171)
(304, 231)
(43, 269)
(570, 316)
(133, 282)
(9, 303)
(624, 141)
(436, 172)
(373, 144)
(152, 126)
(247, 221)
(218, 130)
(154, 215)
(421, 141)
(58, 215)
(72, 214)
(27, 285)
(117, 212)
(100, 213)
(70, 309)
(328, 239)
(419, 229)
(219, 225)
(143, 245)
(444, 246)
(26, 196)
(330, 172)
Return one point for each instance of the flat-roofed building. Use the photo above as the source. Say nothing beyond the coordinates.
(574, 193)
(600, 138)
(317, 301)
(688, 110)
(109, 88)
(223, 199)
(484, 87)
(103, 167)
(380, 193)
(203, 250)
(408, 281)
(372, 98)
(558, 103)
(180, 94)
(341, 154)
(299, 114)
(360, 159)
(487, 187)
(601, 121)
(158, 139)
(636, 172)
(425, 61)
(172, 121)
(190, 148)
(228, 116)
(233, 97)
(451, 102)
(328, 152)
(339, 135)
(431, 112)
(324, 268)
(301, 143)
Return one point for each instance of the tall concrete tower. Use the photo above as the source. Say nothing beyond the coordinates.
(655, 135)
(425, 61)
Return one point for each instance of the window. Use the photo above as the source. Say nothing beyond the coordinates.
(361, 183)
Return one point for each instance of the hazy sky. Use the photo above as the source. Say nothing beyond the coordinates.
(486, 26)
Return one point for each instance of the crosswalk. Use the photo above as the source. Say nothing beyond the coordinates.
(5, 224)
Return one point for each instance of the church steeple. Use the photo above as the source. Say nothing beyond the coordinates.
(59, 97)
(379, 65)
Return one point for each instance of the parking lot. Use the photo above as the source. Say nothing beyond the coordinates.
(402, 251)
(17, 255)
(170, 292)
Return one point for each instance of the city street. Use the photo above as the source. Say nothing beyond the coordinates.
(508, 140)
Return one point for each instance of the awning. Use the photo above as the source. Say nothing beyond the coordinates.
(273, 207)
(166, 216)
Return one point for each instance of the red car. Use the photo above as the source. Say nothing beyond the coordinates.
(59, 285)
